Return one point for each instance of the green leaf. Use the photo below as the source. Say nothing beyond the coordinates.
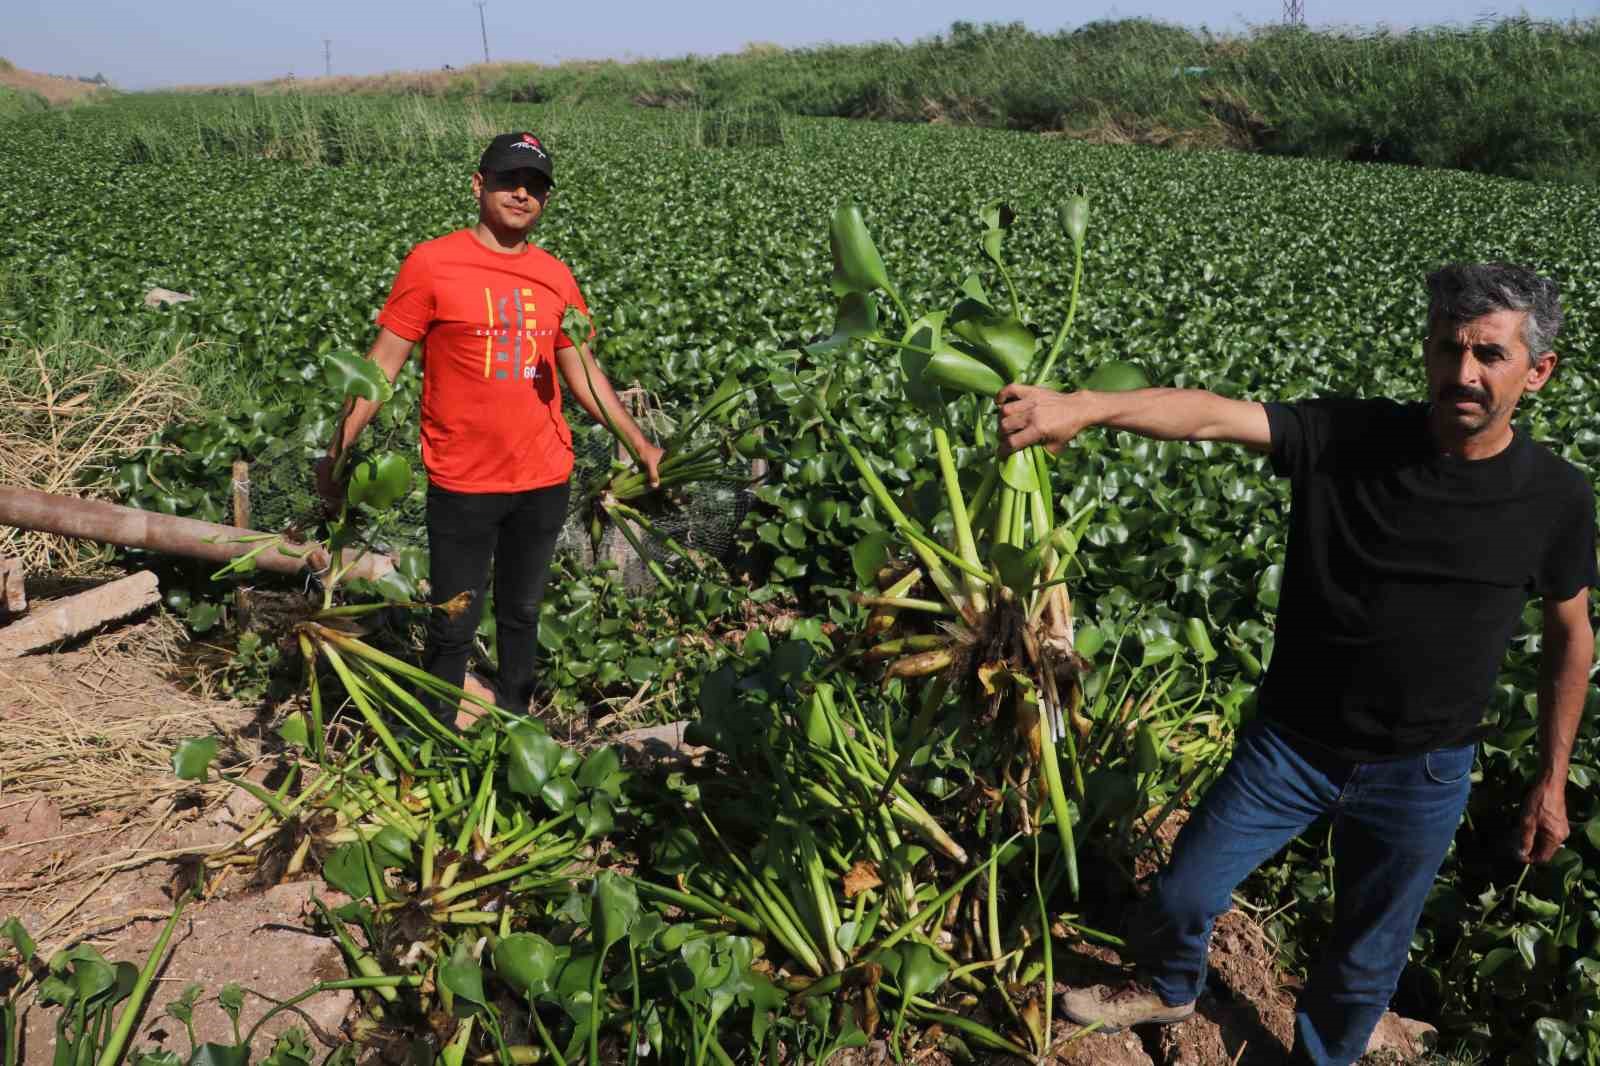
(182, 1008)
(641, 668)
(13, 931)
(390, 848)
(381, 481)
(869, 555)
(559, 793)
(921, 971)
(231, 999)
(1002, 340)
(532, 757)
(856, 317)
(997, 218)
(294, 1049)
(597, 817)
(1116, 376)
(90, 974)
(1146, 755)
(220, 1055)
(345, 868)
(616, 907)
(955, 370)
(203, 617)
(1495, 959)
(1019, 570)
(294, 731)
(601, 770)
(353, 374)
(926, 333)
(1158, 648)
(791, 659)
(193, 757)
(857, 266)
(576, 325)
(527, 962)
(1269, 585)
(1198, 638)
(462, 975)
(1019, 472)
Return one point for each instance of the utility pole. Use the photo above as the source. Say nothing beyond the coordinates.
(1294, 12)
(327, 56)
(483, 26)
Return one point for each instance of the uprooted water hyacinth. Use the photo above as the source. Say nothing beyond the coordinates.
(999, 635)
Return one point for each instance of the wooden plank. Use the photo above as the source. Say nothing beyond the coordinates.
(13, 595)
(76, 615)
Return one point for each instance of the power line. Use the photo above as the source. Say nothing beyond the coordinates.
(483, 26)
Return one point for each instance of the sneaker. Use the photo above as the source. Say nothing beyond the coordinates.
(1120, 1006)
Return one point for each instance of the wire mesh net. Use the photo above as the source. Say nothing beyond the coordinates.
(703, 518)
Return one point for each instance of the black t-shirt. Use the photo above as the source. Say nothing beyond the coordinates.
(1406, 573)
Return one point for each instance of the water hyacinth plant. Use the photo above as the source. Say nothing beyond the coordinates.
(1001, 633)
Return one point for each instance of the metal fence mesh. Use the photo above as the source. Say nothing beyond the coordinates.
(704, 517)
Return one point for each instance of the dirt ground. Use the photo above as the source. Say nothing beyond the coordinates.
(93, 828)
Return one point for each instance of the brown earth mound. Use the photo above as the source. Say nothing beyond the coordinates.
(55, 90)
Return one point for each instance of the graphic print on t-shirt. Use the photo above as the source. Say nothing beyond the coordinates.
(511, 338)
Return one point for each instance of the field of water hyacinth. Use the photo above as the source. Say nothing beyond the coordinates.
(951, 706)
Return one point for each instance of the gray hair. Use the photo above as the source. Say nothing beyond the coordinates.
(1461, 292)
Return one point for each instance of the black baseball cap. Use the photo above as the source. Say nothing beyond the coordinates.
(516, 151)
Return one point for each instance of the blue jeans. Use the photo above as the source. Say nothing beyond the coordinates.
(1392, 824)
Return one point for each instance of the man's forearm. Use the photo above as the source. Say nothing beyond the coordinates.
(593, 391)
(1168, 414)
(1031, 415)
(357, 413)
(1563, 686)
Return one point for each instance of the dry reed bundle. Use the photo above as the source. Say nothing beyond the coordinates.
(66, 430)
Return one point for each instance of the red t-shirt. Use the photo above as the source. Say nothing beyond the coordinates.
(490, 323)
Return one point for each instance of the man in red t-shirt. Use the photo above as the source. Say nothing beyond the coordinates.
(487, 307)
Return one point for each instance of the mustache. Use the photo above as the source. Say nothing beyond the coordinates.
(1464, 392)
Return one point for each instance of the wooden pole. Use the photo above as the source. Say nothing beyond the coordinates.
(241, 494)
(110, 523)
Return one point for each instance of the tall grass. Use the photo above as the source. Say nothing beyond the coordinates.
(329, 130)
(1518, 97)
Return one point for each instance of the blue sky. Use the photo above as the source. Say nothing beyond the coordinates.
(145, 45)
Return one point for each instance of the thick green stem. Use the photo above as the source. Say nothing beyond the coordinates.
(700, 905)
(1058, 797)
(112, 1052)
(358, 695)
(965, 543)
(1066, 327)
(924, 548)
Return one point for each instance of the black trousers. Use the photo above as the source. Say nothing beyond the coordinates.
(518, 531)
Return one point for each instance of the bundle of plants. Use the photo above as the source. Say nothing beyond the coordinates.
(711, 445)
(995, 629)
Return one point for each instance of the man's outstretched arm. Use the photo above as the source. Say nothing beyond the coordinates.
(1565, 655)
(1031, 415)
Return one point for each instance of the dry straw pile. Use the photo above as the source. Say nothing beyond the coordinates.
(71, 418)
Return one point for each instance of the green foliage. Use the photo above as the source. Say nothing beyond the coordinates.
(1256, 277)
(1513, 97)
(15, 102)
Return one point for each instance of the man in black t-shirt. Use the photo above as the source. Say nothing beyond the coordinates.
(1416, 533)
